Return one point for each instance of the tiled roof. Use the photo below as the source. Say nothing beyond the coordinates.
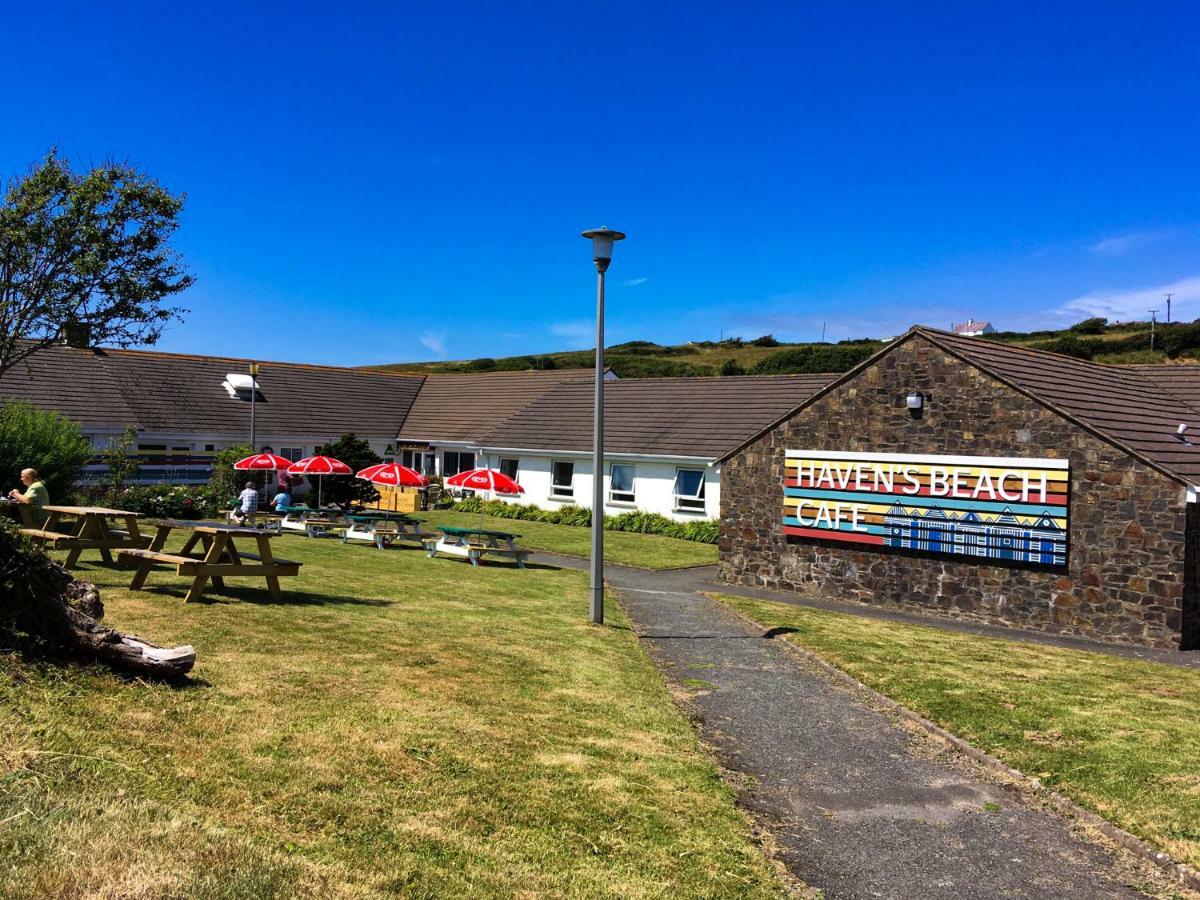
(971, 327)
(1181, 380)
(700, 417)
(1129, 407)
(466, 407)
(1121, 404)
(176, 392)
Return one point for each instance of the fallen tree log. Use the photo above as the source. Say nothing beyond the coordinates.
(48, 612)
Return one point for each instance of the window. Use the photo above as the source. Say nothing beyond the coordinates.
(562, 481)
(209, 448)
(454, 462)
(295, 454)
(620, 484)
(509, 467)
(689, 490)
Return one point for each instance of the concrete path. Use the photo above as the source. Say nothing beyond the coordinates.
(858, 806)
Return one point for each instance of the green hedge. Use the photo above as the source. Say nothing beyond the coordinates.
(704, 531)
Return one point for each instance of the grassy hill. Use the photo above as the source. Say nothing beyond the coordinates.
(1123, 343)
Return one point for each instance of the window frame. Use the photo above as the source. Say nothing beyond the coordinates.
(458, 455)
(516, 467)
(629, 497)
(286, 453)
(554, 487)
(685, 502)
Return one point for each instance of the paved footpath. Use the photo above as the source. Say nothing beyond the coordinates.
(859, 807)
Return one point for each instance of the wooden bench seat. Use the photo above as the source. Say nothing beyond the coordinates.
(54, 538)
(158, 556)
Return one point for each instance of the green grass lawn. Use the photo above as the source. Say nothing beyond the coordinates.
(1118, 736)
(650, 551)
(397, 725)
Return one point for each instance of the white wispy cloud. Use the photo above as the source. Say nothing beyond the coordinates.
(1122, 244)
(579, 333)
(634, 282)
(434, 342)
(1136, 303)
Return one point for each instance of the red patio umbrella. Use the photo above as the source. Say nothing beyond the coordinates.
(485, 480)
(262, 462)
(393, 474)
(318, 467)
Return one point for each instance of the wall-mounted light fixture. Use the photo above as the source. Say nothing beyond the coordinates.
(914, 400)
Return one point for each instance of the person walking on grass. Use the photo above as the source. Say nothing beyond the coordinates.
(35, 495)
(247, 505)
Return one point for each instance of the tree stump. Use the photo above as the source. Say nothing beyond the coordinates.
(45, 609)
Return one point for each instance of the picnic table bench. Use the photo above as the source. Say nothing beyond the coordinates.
(90, 530)
(473, 543)
(383, 528)
(219, 560)
(313, 522)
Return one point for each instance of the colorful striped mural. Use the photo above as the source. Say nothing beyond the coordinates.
(986, 507)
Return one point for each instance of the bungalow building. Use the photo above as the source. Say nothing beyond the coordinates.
(981, 481)
(662, 435)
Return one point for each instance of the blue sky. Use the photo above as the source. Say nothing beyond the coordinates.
(372, 183)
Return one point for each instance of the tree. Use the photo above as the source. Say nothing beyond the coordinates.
(121, 467)
(767, 340)
(226, 481)
(357, 454)
(86, 257)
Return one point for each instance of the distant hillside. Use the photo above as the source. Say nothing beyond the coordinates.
(1123, 343)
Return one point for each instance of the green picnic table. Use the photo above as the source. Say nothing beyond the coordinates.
(473, 543)
(383, 528)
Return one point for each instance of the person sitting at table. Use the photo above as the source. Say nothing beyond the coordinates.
(281, 501)
(247, 505)
(35, 495)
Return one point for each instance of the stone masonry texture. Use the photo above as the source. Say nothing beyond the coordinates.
(1134, 546)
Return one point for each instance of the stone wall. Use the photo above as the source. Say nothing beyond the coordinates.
(1131, 575)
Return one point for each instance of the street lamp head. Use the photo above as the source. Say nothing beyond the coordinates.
(602, 239)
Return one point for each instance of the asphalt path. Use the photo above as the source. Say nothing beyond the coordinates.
(859, 806)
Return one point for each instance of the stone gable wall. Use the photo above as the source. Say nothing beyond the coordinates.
(1129, 558)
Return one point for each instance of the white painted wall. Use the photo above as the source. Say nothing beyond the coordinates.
(654, 484)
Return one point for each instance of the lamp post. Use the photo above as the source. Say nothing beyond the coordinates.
(253, 395)
(602, 244)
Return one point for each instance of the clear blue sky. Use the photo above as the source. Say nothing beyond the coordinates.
(408, 181)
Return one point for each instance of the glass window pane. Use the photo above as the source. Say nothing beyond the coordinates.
(622, 479)
(563, 475)
(509, 467)
(689, 483)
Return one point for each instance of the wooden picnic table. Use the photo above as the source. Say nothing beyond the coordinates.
(383, 527)
(473, 543)
(89, 530)
(220, 558)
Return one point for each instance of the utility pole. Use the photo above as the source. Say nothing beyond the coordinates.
(822, 332)
(1169, 296)
(253, 395)
(1153, 313)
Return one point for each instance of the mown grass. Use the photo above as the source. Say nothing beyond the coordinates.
(397, 725)
(649, 551)
(1119, 736)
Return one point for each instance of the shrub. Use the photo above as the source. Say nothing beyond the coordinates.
(815, 358)
(46, 441)
(1094, 325)
(703, 531)
(1070, 346)
(226, 480)
(767, 340)
(732, 367)
(358, 455)
(167, 501)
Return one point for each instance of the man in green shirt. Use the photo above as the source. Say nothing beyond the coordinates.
(35, 497)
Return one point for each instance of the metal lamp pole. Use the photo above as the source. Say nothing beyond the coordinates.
(602, 243)
(253, 395)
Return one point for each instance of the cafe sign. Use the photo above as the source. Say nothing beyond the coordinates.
(982, 507)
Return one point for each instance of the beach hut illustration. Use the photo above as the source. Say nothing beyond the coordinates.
(996, 536)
